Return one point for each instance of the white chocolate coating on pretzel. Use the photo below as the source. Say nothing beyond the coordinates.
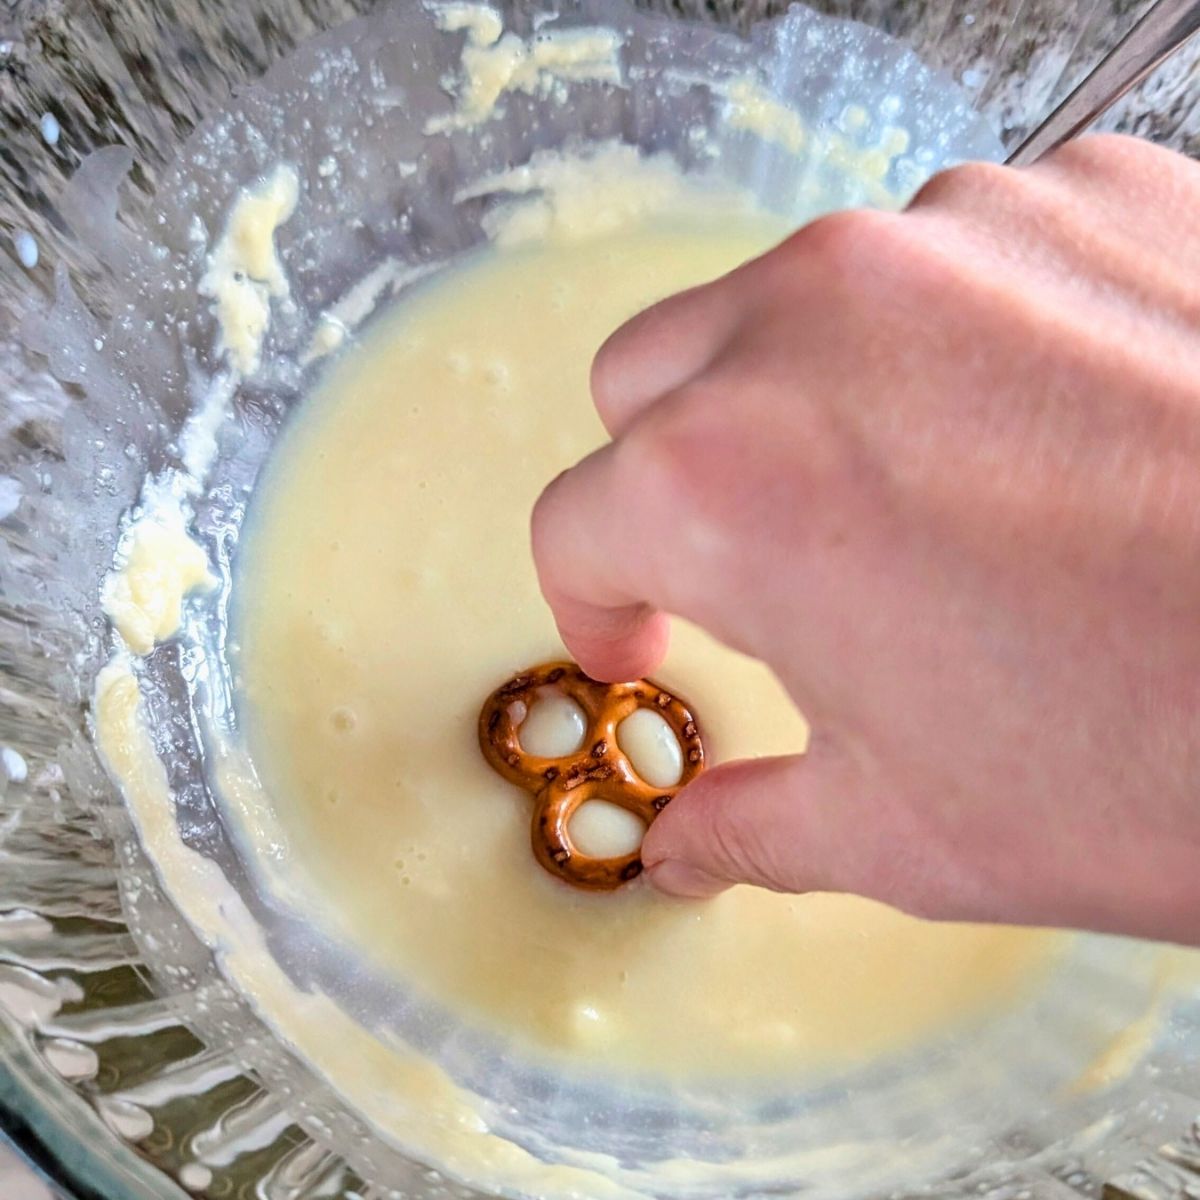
(414, 596)
(605, 830)
(652, 748)
(553, 727)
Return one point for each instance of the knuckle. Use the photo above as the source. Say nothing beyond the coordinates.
(659, 455)
(967, 186)
(740, 846)
(1130, 166)
(677, 459)
(544, 522)
(857, 259)
(610, 371)
(844, 240)
(752, 851)
(1104, 151)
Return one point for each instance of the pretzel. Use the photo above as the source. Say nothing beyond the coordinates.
(598, 770)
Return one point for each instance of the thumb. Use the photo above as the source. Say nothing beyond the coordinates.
(805, 823)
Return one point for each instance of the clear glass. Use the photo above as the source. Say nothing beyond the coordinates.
(127, 1062)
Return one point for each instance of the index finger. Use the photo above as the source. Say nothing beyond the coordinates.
(599, 564)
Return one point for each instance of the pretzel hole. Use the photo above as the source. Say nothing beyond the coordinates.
(553, 726)
(652, 747)
(601, 829)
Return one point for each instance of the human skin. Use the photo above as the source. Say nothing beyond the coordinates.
(940, 470)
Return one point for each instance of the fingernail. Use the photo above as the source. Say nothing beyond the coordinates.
(682, 879)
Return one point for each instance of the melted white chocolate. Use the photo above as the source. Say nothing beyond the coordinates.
(495, 63)
(244, 272)
(158, 566)
(406, 602)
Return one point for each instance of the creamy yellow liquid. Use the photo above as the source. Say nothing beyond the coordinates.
(385, 587)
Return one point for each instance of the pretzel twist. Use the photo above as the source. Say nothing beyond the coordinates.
(598, 770)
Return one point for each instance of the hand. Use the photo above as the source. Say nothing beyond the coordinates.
(941, 471)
